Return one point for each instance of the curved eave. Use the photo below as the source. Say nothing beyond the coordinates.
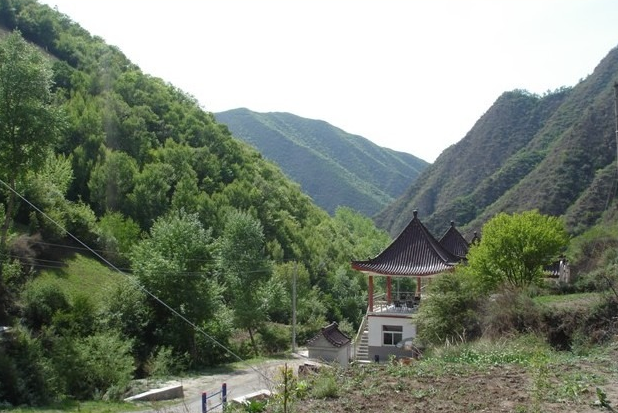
(407, 271)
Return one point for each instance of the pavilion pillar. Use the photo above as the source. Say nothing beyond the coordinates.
(389, 290)
(418, 286)
(370, 293)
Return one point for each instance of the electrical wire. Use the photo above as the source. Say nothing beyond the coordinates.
(138, 285)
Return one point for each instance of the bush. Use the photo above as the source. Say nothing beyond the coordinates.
(325, 387)
(78, 321)
(162, 363)
(275, 338)
(218, 328)
(91, 366)
(41, 301)
(25, 249)
(23, 373)
(117, 235)
(449, 311)
(510, 312)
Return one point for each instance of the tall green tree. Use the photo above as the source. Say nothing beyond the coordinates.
(173, 265)
(30, 121)
(514, 248)
(246, 270)
(29, 124)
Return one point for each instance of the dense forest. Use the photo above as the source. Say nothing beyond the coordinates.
(201, 235)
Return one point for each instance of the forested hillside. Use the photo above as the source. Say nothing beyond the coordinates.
(208, 234)
(555, 153)
(333, 167)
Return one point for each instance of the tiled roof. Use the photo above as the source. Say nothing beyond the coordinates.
(333, 335)
(454, 242)
(415, 252)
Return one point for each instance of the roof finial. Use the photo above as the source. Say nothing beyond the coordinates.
(415, 212)
(452, 223)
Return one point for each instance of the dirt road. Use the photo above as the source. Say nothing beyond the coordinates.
(239, 383)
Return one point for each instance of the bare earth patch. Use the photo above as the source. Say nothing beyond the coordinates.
(564, 387)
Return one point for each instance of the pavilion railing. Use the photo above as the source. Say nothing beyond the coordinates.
(401, 302)
(359, 334)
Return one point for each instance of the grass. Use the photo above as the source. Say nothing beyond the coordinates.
(583, 300)
(82, 275)
(75, 406)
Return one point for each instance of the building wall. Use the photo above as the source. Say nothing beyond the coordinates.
(321, 349)
(375, 345)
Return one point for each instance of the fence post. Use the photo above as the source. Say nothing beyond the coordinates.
(224, 394)
(204, 401)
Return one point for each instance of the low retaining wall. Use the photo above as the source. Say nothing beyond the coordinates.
(166, 393)
(258, 395)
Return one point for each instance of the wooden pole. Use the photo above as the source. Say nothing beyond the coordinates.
(389, 290)
(294, 307)
(616, 117)
(371, 293)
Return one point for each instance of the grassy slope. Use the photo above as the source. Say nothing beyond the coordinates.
(82, 274)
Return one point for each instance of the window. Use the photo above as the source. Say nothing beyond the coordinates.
(391, 335)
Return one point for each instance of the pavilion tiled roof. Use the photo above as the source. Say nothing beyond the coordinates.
(333, 335)
(415, 252)
(454, 242)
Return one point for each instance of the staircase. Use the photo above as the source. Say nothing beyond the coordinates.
(362, 350)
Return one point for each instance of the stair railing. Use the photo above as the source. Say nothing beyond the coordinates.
(359, 334)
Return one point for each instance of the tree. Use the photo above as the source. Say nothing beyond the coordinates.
(514, 248)
(449, 313)
(29, 120)
(172, 265)
(111, 181)
(246, 271)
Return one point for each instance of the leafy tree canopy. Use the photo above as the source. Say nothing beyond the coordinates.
(514, 248)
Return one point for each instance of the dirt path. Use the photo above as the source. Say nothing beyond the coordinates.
(239, 383)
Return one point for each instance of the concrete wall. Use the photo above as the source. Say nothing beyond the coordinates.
(375, 346)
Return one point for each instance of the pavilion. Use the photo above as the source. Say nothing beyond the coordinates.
(414, 253)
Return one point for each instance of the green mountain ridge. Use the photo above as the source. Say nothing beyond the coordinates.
(552, 153)
(333, 167)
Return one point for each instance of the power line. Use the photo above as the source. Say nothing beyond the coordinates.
(134, 281)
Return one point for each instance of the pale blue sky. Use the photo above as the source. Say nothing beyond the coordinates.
(410, 75)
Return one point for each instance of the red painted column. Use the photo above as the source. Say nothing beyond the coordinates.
(389, 290)
(370, 293)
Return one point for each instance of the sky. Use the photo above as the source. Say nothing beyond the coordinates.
(409, 75)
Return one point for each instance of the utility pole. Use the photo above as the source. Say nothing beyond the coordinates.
(616, 116)
(294, 307)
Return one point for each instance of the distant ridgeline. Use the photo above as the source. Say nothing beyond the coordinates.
(335, 168)
(555, 153)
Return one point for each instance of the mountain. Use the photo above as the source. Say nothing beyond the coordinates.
(555, 153)
(335, 168)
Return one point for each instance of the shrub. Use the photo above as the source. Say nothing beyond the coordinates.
(219, 328)
(325, 387)
(25, 248)
(41, 300)
(78, 321)
(92, 366)
(117, 235)
(275, 338)
(510, 312)
(449, 311)
(162, 363)
(23, 373)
